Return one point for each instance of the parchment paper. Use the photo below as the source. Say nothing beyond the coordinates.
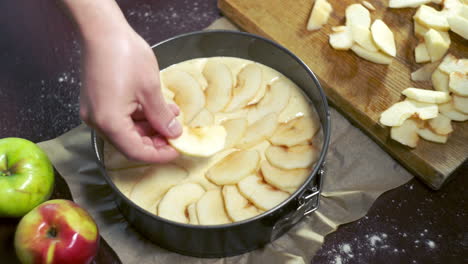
(358, 171)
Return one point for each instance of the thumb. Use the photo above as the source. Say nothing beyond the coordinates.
(161, 116)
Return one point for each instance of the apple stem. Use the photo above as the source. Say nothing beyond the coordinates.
(52, 232)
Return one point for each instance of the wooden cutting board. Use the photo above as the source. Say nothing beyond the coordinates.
(361, 90)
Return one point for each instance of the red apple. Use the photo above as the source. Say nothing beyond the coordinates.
(57, 232)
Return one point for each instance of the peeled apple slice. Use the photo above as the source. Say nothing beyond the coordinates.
(440, 81)
(375, 57)
(431, 18)
(437, 45)
(441, 125)
(263, 195)
(407, 3)
(234, 167)
(383, 37)
(424, 73)
(218, 90)
(458, 83)
(396, 114)
(459, 25)
(421, 54)
(249, 80)
(428, 135)
(342, 40)
(449, 111)
(192, 213)
(235, 129)
(406, 134)
(237, 206)
(426, 96)
(285, 180)
(357, 14)
(319, 15)
(200, 141)
(294, 132)
(210, 209)
(424, 110)
(363, 37)
(174, 204)
(460, 103)
(451, 64)
(297, 157)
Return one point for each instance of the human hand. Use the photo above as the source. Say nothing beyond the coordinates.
(121, 97)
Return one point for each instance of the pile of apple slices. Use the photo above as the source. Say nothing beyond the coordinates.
(428, 114)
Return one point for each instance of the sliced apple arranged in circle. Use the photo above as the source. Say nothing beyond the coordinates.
(259, 131)
(210, 209)
(285, 180)
(295, 132)
(263, 195)
(235, 129)
(200, 141)
(237, 206)
(192, 214)
(234, 167)
(173, 205)
(297, 157)
(219, 89)
(249, 80)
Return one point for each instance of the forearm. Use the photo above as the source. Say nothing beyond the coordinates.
(96, 19)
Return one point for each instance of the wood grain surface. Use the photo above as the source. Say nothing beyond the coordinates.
(361, 90)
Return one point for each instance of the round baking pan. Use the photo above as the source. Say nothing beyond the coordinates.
(238, 237)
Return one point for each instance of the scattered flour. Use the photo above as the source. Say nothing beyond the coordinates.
(430, 243)
(338, 260)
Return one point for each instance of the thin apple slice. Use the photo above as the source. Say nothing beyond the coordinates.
(425, 72)
(192, 214)
(237, 206)
(288, 158)
(458, 83)
(342, 40)
(173, 205)
(437, 45)
(204, 118)
(383, 37)
(210, 209)
(421, 54)
(319, 15)
(424, 110)
(441, 125)
(295, 132)
(125, 179)
(298, 106)
(406, 3)
(375, 57)
(451, 64)
(459, 25)
(449, 111)
(460, 103)
(368, 5)
(428, 135)
(440, 81)
(235, 129)
(234, 167)
(406, 134)
(219, 88)
(200, 141)
(275, 100)
(396, 114)
(249, 80)
(189, 95)
(357, 14)
(431, 18)
(426, 96)
(259, 131)
(420, 30)
(339, 28)
(363, 36)
(285, 180)
(263, 195)
(154, 183)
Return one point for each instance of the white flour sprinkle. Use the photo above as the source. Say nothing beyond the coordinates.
(374, 239)
(430, 243)
(338, 260)
(346, 248)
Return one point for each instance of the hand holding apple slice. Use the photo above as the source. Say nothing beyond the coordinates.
(200, 141)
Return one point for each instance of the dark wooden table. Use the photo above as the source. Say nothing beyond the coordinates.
(39, 91)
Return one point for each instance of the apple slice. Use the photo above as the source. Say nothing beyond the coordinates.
(125, 179)
(210, 209)
(428, 135)
(451, 64)
(425, 72)
(288, 158)
(339, 28)
(383, 37)
(436, 44)
(319, 15)
(249, 80)
(406, 3)
(421, 54)
(458, 83)
(237, 206)
(275, 100)
(440, 81)
(420, 30)
(406, 134)
(188, 92)
(192, 214)
(375, 57)
(297, 131)
(460, 103)
(424, 110)
(459, 25)
(154, 183)
(342, 40)
(449, 111)
(285, 180)
(368, 5)
(426, 96)
(441, 125)
(200, 141)
(219, 88)
(396, 114)
(431, 18)
(298, 106)
(263, 195)
(259, 131)
(363, 36)
(234, 167)
(203, 119)
(235, 129)
(357, 14)
(173, 205)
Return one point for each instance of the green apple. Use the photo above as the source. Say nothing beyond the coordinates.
(57, 232)
(26, 177)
